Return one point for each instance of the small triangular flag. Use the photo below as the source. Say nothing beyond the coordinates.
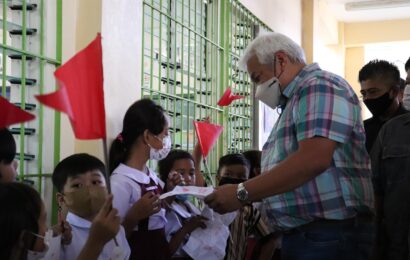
(207, 134)
(228, 97)
(11, 114)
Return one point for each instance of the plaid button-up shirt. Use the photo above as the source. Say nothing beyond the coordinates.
(322, 104)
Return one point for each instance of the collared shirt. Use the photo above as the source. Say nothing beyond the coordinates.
(320, 104)
(80, 230)
(373, 125)
(248, 220)
(125, 186)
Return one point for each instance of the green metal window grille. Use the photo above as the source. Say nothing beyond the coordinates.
(190, 53)
(30, 52)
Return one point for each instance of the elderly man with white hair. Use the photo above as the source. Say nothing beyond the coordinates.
(316, 182)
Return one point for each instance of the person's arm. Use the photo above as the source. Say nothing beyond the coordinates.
(312, 158)
(104, 227)
(197, 155)
(190, 225)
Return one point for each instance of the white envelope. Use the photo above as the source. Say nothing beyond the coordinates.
(199, 192)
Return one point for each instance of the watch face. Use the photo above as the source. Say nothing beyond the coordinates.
(242, 195)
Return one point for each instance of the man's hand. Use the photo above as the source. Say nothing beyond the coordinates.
(224, 199)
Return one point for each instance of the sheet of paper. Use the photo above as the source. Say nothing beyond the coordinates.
(210, 243)
(199, 192)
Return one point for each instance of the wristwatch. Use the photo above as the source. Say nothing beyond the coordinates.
(242, 194)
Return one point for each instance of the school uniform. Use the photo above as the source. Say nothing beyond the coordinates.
(176, 214)
(80, 230)
(128, 185)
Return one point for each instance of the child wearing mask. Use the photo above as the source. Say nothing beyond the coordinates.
(81, 188)
(23, 226)
(234, 169)
(135, 187)
(182, 216)
(8, 166)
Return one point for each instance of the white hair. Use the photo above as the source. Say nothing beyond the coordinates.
(267, 44)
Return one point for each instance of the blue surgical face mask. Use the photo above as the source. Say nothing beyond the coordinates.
(182, 197)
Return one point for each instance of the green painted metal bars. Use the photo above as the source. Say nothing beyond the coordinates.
(31, 50)
(190, 53)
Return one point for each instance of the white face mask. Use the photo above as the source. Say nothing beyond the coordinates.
(53, 247)
(406, 97)
(155, 154)
(269, 92)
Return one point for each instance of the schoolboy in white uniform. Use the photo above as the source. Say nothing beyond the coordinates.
(82, 189)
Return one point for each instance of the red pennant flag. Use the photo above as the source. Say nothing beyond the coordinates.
(81, 94)
(228, 97)
(207, 135)
(11, 114)
(58, 100)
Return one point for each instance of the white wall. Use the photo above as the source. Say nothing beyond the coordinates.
(121, 32)
(68, 50)
(328, 48)
(121, 39)
(283, 17)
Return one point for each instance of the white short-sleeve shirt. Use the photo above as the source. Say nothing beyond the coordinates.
(80, 229)
(125, 186)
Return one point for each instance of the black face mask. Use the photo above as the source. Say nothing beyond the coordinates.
(229, 180)
(378, 106)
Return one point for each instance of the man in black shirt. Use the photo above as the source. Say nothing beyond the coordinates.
(380, 87)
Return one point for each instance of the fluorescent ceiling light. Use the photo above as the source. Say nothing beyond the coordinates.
(376, 4)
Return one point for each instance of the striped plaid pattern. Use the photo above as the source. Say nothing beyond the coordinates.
(247, 221)
(320, 103)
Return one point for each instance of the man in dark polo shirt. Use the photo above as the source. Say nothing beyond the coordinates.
(380, 88)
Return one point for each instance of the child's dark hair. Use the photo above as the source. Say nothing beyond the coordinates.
(166, 164)
(74, 165)
(7, 146)
(20, 211)
(232, 159)
(140, 116)
(254, 158)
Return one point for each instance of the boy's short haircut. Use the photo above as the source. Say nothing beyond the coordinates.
(7, 146)
(74, 165)
(233, 159)
(166, 164)
(381, 70)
